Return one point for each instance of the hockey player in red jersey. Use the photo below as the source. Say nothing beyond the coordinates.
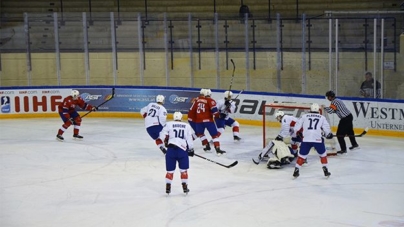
(192, 117)
(69, 115)
(205, 109)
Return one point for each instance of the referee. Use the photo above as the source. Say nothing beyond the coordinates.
(345, 126)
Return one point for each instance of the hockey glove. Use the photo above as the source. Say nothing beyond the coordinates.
(329, 136)
(299, 134)
(222, 116)
(279, 138)
(227, 103)
(164, 150)
(191, 152)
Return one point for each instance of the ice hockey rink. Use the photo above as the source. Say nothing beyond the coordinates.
(116, 177)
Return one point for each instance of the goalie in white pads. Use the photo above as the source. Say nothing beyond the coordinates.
(282, 153)
(313, 124)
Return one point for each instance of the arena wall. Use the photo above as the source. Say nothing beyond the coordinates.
(383, 118)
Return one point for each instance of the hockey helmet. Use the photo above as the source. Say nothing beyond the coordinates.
(160, 98)
(279, 115)
(228, 94)
(207, 92)
(177, 116)
(202, 92)
(75, 94)
(314, 108)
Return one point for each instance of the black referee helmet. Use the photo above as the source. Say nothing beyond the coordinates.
(330, 94)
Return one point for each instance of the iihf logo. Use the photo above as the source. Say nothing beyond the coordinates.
(5, 104)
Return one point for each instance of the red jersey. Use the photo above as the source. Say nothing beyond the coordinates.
(192, 114)
(204, 109)
(68, 105)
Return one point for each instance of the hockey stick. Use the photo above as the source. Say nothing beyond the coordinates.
(238, 94)
(220, 164)
(359, 135)
(232, 76)
(108, 99)
(264, 151)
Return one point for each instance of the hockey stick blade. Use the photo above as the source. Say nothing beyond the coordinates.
(359, 135)
(218, 163)
(107, 100)
(263, 153)
(256, 162)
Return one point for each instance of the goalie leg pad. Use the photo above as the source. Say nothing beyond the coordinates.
(281, 150)
(265, 151)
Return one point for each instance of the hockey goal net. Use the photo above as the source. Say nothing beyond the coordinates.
(271, 126)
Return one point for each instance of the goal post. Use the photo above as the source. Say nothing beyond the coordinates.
(271, 126)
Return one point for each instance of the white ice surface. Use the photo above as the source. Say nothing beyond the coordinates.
(115, 177)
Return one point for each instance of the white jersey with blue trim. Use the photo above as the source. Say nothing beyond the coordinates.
(313, 124)
(156, 114)
(287, 123)
(179, 134)
(222, 107)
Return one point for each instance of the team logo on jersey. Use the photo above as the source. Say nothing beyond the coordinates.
(174, 99)
(5, 104)
(88, 97)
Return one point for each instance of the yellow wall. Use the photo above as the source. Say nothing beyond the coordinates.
(263, 78)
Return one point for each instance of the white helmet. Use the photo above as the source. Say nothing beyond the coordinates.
(279, 115)
(202, 92)
(75, 94)
(160, 98)
(177, 116)
(208, 92)
(314, 107)
(228, 94)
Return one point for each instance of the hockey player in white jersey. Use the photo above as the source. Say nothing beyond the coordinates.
(178, 137)
(313, 125)
(226, 106)
(287, 124)
(155, 115)
(276, 150)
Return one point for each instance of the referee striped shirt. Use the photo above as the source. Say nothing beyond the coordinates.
(338, 107)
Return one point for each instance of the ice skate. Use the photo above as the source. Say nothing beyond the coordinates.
(341, 152)
(77, 136)
(60, 138)
(354, 147)
(236, 138)
(219, 152)
(168, 188)
(185, 188)
(296, 173)
(326, 173)
(207, 148)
